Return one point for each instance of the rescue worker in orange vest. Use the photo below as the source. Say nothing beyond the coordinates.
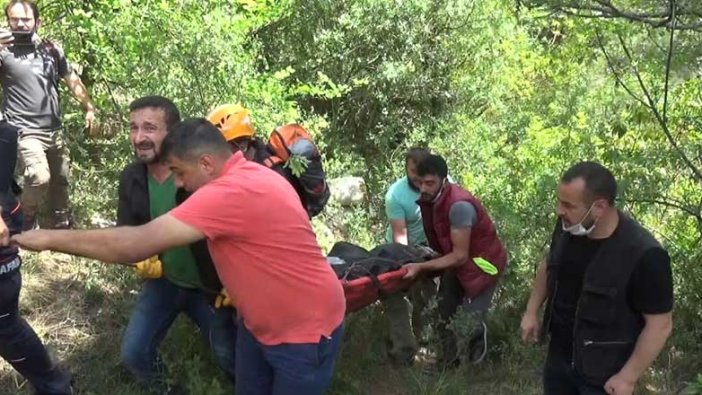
(234, 121)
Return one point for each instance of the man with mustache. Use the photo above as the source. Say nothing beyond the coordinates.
(147, 190)
(19, 344)
(290, 303)
(404, 312)
(608, 289)
(472, 256)
(30, 70)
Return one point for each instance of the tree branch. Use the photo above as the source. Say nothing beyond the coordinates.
(668, 18)
(617, 76)
(657, 114)
(696, 214)
(115, 104)
(668, 61)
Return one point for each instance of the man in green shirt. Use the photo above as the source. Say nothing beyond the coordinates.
(147, 190)
(179, 265)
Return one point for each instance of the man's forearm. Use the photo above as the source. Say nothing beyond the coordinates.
(538, 292)
(80, 92)
(398, 228)
(649, 344)
(445, 262)
(113, 245)
(400, 238)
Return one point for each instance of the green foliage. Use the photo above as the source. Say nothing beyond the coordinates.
(510, 93)
(378, 71)
(297, 164)
(695, 388)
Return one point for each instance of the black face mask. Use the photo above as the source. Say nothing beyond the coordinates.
(22, 37)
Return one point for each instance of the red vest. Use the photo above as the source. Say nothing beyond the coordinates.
(484, 242)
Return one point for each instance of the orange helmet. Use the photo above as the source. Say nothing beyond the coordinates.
(232, 120)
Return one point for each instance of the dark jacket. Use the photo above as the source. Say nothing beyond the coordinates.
(11, 211)
(134, 210)
(484, 242)
(8, 159)
(12, 216)
(606, 327)
(311, 185)
(263, 156)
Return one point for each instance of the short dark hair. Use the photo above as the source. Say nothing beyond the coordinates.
(599, 181)
(169, 108)
(432, 165)
(193, 137)
(416, 155)
(31, 4)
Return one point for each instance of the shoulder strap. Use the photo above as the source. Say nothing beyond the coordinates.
(50, 47)
(272, 161)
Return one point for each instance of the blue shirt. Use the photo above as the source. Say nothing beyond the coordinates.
(401, 203)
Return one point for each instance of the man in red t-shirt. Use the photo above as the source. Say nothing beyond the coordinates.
(289, 299)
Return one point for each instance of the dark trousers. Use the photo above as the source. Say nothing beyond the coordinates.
(285, 369)
(561, 379)
(20, 346)
(157, 307)
(451, 300)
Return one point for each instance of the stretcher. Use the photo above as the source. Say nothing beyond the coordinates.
(368, 276)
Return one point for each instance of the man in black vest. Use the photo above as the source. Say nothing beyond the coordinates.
(608, 287)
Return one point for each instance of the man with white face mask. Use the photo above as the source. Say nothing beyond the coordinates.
(472, 257)
(608, 287)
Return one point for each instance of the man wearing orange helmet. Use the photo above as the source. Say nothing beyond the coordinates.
(234, 121)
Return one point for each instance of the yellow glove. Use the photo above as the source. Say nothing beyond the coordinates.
(223, 299)
(150, 268)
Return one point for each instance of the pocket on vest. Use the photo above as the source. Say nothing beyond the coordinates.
(600, 360)
(597, 305)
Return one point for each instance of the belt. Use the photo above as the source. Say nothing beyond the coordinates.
(10, 265)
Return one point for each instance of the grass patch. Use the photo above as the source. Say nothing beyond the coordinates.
(80, 308)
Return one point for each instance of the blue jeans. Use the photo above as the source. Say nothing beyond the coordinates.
(157, 306)
(561, 379)
(285, 369)
(20, 346)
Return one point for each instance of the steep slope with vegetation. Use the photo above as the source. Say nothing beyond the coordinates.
(511, 93)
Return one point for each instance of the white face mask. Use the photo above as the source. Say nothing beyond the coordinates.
(578, 229)
(443, 184)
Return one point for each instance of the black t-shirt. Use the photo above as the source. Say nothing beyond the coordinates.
(650, 289)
